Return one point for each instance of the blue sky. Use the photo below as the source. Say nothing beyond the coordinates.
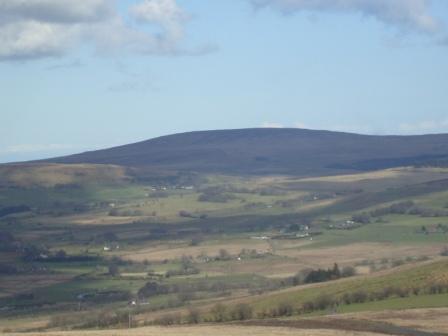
(79, 75)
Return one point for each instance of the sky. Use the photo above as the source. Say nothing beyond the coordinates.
(83, 75)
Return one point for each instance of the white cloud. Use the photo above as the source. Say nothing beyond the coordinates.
(405, 14)
(31, 29)
(300, 125)
(165, 13)
(268, 124)
(427, 126)
(57, 11)
(32, 148)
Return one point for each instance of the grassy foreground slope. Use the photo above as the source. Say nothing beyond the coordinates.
(409, 277)
(207, 330)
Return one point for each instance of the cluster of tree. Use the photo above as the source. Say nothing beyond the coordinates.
(322, 275)
(59, 208)
(402, 208)
(221, 287)
(188, 214)
(250, 254)
(125, 213)
(33, 253)
(154, 288)
(187, 268)
(444, 252)
(105, 319)
(218, 313)
(107, 296)
(105, 237)
(11, 269)
(319, 275)
(324, 302)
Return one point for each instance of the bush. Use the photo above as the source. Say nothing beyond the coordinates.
(359, 296)
(348, 271)
(324, 302)
(444, 252)
(219, 313)
(285, 309)
(169, 319)
(193, 316)
(321, 275)
(151, 289)
(224, 255)
(186, 214)
(113, 270)
(397, 263)
(362, 218)
(241, 312)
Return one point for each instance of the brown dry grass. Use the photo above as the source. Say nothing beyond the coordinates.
(380, 174)
(431, 319)
(206, 330)
(49, 175)
(296, 257)
(352, 253)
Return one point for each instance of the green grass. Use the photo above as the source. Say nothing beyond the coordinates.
(420, 301)
(399, 229)
(67, 291)
(414, 277)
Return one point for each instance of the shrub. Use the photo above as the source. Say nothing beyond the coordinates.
(444, 252)
(348, 271)
(359, 296)
(324, 302)
(241, 312)
(113, 270)
(193, 316)
(285, 309)
(362, 218)
(169, 319)
(219, 313)
(224, 255)
(308, 306)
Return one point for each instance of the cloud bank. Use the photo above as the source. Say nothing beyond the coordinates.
(407, 15)
(32, 29)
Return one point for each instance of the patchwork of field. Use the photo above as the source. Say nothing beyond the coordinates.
(85, 240)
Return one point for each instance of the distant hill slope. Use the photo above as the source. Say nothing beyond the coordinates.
(272, 151)
(53, 175)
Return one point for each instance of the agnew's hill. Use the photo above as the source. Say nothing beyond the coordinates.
(272, 151)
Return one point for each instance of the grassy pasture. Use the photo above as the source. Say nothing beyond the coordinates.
(407, 277)
(258, 206)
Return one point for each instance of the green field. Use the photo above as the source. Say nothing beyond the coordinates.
(221, 239)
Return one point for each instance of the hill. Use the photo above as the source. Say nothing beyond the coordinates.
(272, 151)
